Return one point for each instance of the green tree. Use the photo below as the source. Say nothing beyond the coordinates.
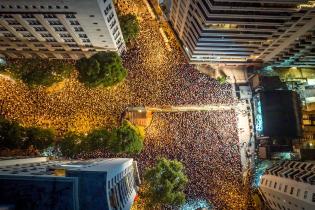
(97, 139)
(129, 26)
(166, 182)
(102, 69)
(222, 79)
(70, 145)
(11, 134)
(127, 138)
(38, 137)
(35, 72)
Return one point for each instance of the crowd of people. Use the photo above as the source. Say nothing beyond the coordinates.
(206, 142)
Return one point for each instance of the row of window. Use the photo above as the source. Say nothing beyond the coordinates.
(33, 7)
(286, 189)
(121, 191)
(29, 16)
(282, 207)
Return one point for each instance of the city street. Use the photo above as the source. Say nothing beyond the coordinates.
(205, 139)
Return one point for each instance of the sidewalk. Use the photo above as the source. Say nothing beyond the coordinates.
(246, 134)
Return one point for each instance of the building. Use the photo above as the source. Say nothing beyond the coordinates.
(289, 185)
(277, 121)
(276, 33)
(68, 29)
(39, 183)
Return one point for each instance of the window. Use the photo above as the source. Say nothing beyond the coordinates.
(275, 185)
(61, 28)
(64, 35)
(13, 22)
(49, 16)
(270, 183)
(55, 22)
(292, 189)
(50, 40)
(266, 182)
(262, 181)
(82, 35)
(39, 29)
(305, 194)
(33, 22)
(20, 29)
(313, 197)
(78, 28)
(280, 186)
(27, 16)
(298, 192)
(112, 24)
(107, 9)
(66, 7)
(110, 17)
(69, 40)
(28, 35)
(92, 16)
(74, 22)
(285, 188)
(70, 16)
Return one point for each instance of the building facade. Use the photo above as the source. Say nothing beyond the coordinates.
(39, 183)
(63, 29)
(289, 185)
(278, 33)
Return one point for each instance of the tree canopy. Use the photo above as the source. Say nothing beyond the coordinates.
(127, 138)
(35, 72)
(70, 145)
(14, 136)
(129, 26)
(102, 69)
(166, 182)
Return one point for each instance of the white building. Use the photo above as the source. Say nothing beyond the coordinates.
(289, 185)
(58, 29)
(243, 32)
(39, 183)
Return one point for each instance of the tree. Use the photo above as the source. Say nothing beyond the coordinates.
(39, 138)
(166, 182)
(127, 138)
(14, 136)
(222, 79)
(129, 26)
(97, 139)
(11, 134)
(102, 69)
(35, 72)
(70, 145)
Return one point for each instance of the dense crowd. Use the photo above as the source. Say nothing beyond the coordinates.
(201, 142)
(206, 142)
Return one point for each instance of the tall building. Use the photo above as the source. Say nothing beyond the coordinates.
(279, 32)
(39, 183)
(289, 185)
(67, 29)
